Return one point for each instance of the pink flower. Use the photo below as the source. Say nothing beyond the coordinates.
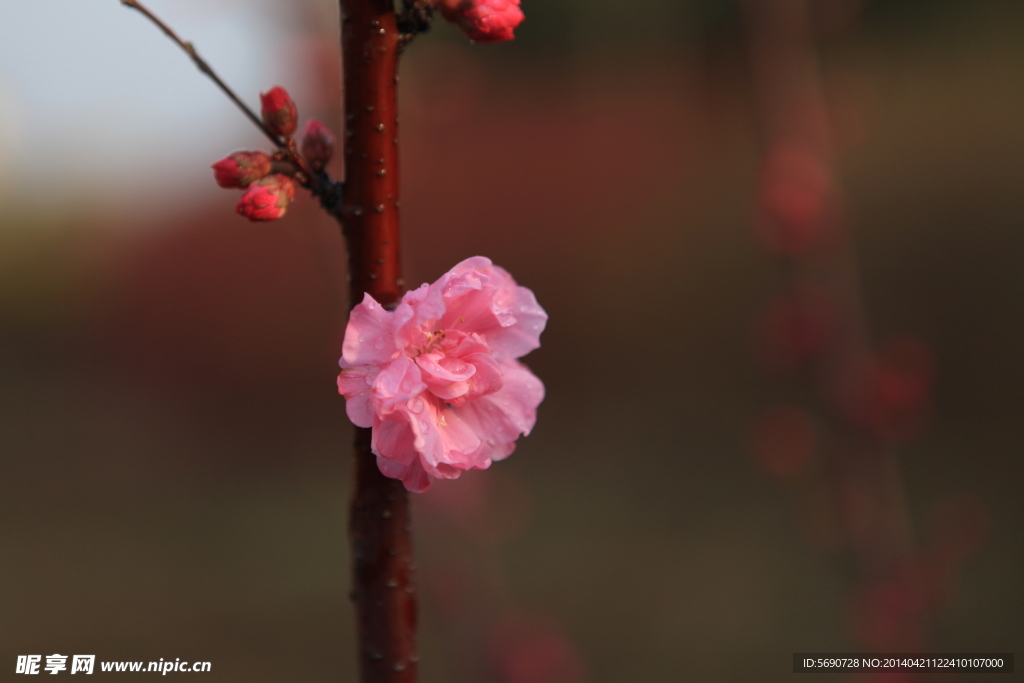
(267, 199)
(485, 21)
(241, 169)
(437, 379)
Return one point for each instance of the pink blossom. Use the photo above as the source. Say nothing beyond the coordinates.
(485, 21)
(437, 379)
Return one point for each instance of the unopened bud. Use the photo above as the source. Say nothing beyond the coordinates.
(241, 169)
(279, 111)
(485, 21)
(317, 144)
(267, 199)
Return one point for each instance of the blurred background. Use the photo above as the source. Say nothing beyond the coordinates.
(175, 458)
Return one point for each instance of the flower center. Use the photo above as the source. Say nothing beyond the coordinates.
(432, 343)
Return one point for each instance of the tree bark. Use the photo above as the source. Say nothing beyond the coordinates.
(383, 588)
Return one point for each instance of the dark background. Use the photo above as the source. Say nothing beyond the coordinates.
(175, 458)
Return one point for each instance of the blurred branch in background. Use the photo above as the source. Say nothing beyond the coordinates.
(205, 69)
(862, 402)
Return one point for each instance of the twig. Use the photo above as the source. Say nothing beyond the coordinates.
(328, 191)
(205, 68)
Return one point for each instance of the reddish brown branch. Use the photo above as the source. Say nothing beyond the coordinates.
(370, 56)
(383, 590)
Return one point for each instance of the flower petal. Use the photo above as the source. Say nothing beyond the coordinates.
(450, 368)
(523, 336)
(512, 410)
(463, 447)
(419, 306)
(398, 382)
(472, 263)
(393, 439)
(445, 376)
(368, 338)
(488, 375)
(486, 300)
(355, 385)
(413, 476)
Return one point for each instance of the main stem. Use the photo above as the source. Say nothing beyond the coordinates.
(383, 588)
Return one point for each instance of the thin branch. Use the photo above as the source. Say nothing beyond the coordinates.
(327, 190)
(205, 68)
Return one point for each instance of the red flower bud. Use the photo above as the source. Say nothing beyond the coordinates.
(267, 199)
(241, 169)
(279, 111)
(485, 21)
(317, 144)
